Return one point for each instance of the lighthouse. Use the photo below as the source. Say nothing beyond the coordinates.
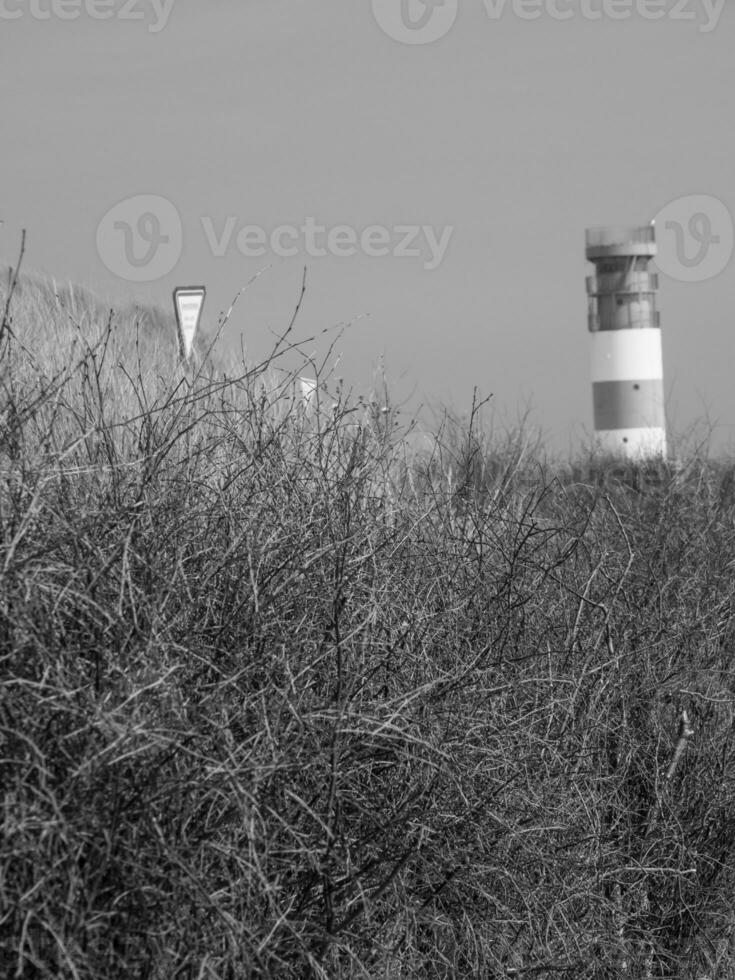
(625, 334)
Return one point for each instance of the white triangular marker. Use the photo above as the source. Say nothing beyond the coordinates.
(188, 303)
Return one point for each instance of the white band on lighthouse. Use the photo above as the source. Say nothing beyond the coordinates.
(633, 444)
(618, 355)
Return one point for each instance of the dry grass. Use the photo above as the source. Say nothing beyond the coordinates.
(281, 699)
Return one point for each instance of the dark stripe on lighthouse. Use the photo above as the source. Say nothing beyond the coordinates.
(629, 404)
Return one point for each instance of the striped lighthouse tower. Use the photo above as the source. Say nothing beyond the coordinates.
(625, 328)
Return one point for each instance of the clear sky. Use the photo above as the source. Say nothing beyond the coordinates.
(511, 132)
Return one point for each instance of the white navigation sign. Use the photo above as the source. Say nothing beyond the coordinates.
(188, 303)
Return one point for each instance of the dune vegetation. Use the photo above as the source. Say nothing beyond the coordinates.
(287, 695)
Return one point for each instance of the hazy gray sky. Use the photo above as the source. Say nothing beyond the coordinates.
(510, 133)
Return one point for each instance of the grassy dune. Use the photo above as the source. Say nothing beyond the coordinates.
(283, 698)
